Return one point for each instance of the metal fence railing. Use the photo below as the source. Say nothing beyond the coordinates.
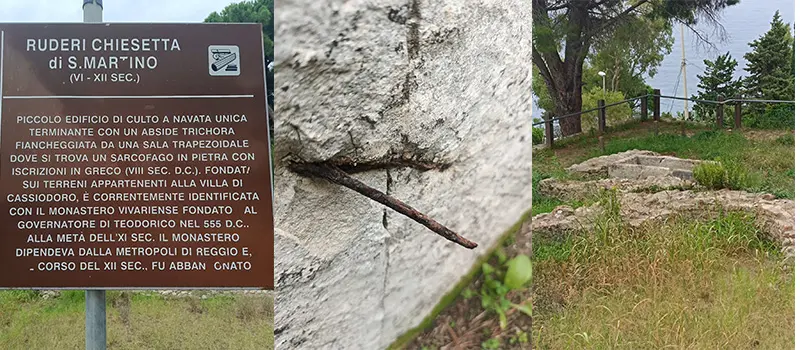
(551, 132)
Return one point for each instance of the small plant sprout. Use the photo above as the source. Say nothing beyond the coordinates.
(498, 283)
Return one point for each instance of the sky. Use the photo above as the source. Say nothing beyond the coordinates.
(113, 10)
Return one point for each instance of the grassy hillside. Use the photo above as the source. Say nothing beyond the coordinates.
(767, 155)
(684, 283)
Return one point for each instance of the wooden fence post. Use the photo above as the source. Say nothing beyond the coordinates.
(720, 111)
(601, 122)
(601, 116)
(548, 130)
(644, 107)
(656, 105)
(737, 116)
(683, 127)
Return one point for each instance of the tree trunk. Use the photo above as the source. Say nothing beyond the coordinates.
(563, 77)
(569, 101)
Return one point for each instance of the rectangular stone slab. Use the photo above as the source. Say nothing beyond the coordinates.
(633, 171)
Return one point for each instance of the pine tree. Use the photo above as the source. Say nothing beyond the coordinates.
(771, 63)
(717, 80)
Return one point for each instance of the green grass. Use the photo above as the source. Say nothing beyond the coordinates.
(545, 165)
(684, 284)
(719, 175)
(138, 321)
(768, 160)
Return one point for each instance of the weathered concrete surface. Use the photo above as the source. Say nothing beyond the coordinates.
(636, 164)
(569, 190)
(375, 80)
(599, 165)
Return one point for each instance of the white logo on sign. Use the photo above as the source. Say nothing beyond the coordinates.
(223, 60)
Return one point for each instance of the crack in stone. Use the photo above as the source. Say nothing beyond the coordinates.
(280, 330)
(386, 243)
(333, 174)
(386, 210)
(384, 293)
(299, 137)
(356, 147)
(412, 37)
(412, 45)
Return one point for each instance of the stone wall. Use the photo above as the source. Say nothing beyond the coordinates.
(373, 82)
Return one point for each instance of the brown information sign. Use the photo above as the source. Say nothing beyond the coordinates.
(134, 156)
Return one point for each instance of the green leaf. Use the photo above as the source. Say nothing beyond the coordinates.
(501, 289)
(525, 309)
(490, 344)
(520, 271)
(486, 300)
(487, 269)
(501, 256)
(505, 304)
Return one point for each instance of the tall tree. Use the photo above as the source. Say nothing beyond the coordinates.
(565, 30)
(253, 11)
(629, 56)
(771, 63)
(717, 80)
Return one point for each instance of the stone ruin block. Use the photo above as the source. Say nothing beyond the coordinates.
(636, 164)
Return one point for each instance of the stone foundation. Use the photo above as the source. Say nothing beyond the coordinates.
(649, 191)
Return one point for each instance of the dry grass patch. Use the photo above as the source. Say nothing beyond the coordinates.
(138, 321)
(683, 283)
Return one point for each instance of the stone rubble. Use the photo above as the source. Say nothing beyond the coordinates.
(655, 198)
(570, 190)
(636, 164)
(599, 165)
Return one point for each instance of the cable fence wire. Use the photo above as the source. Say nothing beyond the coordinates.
(634, 102)
(636, 112)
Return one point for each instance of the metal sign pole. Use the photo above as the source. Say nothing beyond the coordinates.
(95, 299)
(95, 319)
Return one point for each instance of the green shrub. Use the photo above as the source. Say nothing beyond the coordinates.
(736, 176)
(711, 175)
(614, 115)
(772, 117)
(786, 140)
(538, 135)
(725, 174)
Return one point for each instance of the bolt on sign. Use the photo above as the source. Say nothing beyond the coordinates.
(134, 156)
